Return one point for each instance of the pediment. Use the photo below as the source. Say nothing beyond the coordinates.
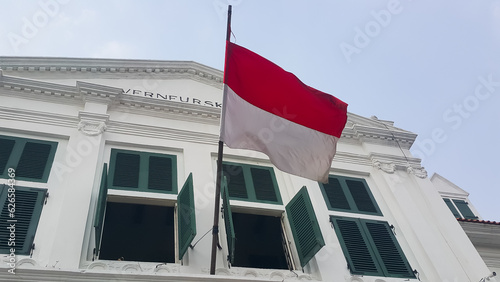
(447, 188)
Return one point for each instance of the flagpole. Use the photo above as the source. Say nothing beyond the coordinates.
(215, 230)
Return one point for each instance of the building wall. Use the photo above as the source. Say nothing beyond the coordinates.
(89, 107)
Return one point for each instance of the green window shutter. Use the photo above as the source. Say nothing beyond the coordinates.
(235, 181)
(160, 173)
(361, 196)
(452, 208)
(186, 217)
(6, 147)
(251, 183)
(143, 171)
(33, 160)
(353, 240)
(349, 194)
(126, 169)
(228, 220)
(305, 229)
(100, 208)
(263, 184)
(464, 209)
(28, 208)
(334, 195)
(388, 251)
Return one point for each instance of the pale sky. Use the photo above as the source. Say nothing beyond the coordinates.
(432, 67)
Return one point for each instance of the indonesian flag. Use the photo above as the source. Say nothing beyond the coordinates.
(269, 110)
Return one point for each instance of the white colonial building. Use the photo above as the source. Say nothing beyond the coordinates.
(108, 174)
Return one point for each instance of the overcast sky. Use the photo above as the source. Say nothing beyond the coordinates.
(432, 67)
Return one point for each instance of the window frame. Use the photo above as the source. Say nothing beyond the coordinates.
(249, 183)
(17, 152)
(142, 185)
(460, 208)
(108, 193)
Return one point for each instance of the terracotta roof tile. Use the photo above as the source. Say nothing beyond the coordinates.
(479, 221)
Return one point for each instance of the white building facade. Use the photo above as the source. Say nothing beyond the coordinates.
(111, 166)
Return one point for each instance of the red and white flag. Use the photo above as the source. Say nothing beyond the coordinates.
(269, 110)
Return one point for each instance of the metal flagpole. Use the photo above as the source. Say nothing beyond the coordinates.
(215, 230)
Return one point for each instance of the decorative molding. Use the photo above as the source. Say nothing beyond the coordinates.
(112, 68)
(91, 128)
(92, 124)
(419, 172)
(390, 163)
(36, 117)
(385, 167)
(98, 93)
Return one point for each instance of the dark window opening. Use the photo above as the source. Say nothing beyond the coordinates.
(134, 232)
(258, 242)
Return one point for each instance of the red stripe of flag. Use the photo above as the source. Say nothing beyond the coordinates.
(267, 86)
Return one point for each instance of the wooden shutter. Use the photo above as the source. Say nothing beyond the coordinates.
(371, 248)
(6, 147)
(334, 195)
(186, 218)
(100, 209)
(305, 229)
(126, 169)
(361, 196)
(263, 184)
(228, 220)
(33, 160)
(235, 181)
(452, 208)
(349, 194)
(464, 209)
(160, 173)
(28, 208)
(387, 249)
(357, 251)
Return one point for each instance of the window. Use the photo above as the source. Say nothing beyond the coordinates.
(369, 246)
(142, 171)
(32, 159)
(251, 183)
(463, 207)
(27, 210)
(259, 240)
(349, 194)
(136, 230)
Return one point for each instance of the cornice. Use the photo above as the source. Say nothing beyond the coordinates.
(376, 131)
(98, 93)
(38, 88)
(110, 68)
